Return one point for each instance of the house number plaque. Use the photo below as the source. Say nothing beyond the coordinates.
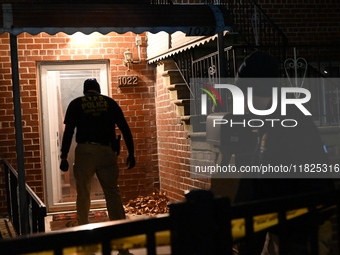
(127, 80)
(200, 31)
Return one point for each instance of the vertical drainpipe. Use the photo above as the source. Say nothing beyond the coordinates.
(23, 209)
(18, 136)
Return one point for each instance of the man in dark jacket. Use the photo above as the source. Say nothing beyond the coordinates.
(95, 117)
(279, 145)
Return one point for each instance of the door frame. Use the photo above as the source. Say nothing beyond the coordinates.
(43, 68)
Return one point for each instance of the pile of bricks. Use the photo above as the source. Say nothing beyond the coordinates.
(148, 205)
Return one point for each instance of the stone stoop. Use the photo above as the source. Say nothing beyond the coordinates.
(179, 91)
(6, 229)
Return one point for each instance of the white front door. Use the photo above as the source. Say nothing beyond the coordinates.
(60, 84)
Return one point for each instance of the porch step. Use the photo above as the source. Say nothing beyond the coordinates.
(183, 106)
(179, 91)
(173, 76)
(186, 121)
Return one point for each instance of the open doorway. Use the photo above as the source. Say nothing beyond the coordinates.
(60, 83)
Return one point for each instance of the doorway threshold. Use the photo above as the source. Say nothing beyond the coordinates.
(65, 219)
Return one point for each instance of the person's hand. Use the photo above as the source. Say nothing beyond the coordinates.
(64, 165)
(130, 161)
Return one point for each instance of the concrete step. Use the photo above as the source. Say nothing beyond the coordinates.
(183, 107)
(173, 76)
(6, 229)
(179, 91)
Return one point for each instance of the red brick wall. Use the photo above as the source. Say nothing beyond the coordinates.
(305, 21)
(7, 137)
(173, 146)
(137, 103)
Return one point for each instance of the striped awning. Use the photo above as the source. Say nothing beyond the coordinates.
(69, 18)
(197, 41)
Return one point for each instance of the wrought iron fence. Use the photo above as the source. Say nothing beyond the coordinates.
(202, 224)
(254, 26)
(253, 29)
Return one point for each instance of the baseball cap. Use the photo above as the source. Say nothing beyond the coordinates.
(259, 70)
(91, 84)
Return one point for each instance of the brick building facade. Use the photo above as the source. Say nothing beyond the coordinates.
(138, 104)
(305, 22)
(173, 140)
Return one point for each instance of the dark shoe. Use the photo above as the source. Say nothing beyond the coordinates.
(124, 252)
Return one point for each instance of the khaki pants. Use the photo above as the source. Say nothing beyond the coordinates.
(102, 161)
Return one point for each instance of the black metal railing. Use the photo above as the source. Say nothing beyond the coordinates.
(254, 26)
(35, 207)
(202, 224)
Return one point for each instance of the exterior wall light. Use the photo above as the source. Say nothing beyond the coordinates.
(128, 55)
